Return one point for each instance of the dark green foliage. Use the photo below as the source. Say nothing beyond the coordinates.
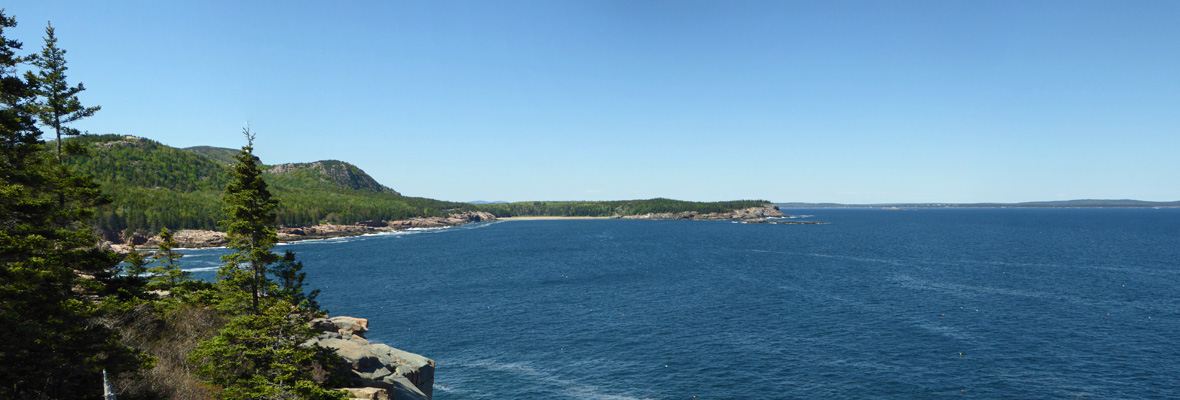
(259, 353)
(153, 186)
(288, 277)
(136, 162)
(259, 356)
(168, 274)
(50, 345)
(136, 263)
(250, 228)
(58, 104)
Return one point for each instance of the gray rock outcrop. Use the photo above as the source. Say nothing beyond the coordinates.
(768, 211)
(403, 375)
(439, 222)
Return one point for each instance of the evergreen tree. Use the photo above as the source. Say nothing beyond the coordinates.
(168, 274)
(250, 229)
(289, 276)
(137, 263)
(49, 347)
(59, 104)
(259, 354)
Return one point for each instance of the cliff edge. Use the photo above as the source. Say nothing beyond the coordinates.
(377, 371)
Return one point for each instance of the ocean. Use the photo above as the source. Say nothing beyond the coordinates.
(980, 303)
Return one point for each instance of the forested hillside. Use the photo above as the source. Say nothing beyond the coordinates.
(219, 154)
(155, 186)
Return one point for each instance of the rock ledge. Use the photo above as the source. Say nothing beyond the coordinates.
(377, 370)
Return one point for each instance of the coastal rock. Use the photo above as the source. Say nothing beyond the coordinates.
(405, 375)
(757, 212)
(769, 211)
(440, 222)
(429, 222)
(185, 238)
(474, 216)
(197, 238)
(324, 231)
(190, 238)
(346, 326)
(367, 393)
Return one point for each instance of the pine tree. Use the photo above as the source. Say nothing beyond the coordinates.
(168, 274)
(59, 104)
(136, 263)
(289, 277)
(49, 347)
(250, 229)
(259, 354)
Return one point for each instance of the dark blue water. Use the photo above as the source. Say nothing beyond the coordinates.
(987, 303)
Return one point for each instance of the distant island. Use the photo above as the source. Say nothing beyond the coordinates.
(1030, 204)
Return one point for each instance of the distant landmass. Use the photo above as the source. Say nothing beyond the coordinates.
(1088, 203)
(156, 186)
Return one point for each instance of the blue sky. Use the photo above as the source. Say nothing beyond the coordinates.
(816, 101)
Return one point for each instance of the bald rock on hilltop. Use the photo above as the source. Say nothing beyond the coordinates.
(338, 173)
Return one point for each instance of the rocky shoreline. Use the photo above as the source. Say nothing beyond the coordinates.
(744, 214)
(191, 238)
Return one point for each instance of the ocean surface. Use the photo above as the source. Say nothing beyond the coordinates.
(978, 303)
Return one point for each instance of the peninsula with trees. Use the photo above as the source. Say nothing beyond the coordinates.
(154, 186)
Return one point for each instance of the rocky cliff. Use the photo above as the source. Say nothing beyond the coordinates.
(377, 371)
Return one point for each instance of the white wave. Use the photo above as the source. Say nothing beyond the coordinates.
(201, 269)
(366, 236)
(198, 248)
(427, 229)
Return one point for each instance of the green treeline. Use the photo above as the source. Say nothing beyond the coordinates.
(612, 208)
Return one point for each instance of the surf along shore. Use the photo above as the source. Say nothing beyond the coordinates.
(546, 218)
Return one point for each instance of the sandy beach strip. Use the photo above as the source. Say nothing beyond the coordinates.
(543, 218)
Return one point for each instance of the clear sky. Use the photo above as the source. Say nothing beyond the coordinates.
(814, 101)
